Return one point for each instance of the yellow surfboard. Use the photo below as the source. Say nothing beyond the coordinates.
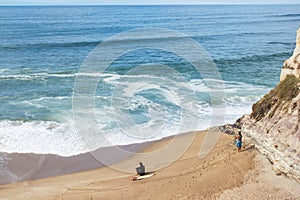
(138, 177)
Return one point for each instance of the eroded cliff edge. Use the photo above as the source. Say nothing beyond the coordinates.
(292, 65)
(274, 124)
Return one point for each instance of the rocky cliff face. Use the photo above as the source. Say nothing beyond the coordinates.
(292, 65)
(274, 124)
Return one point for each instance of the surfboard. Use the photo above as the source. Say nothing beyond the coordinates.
(138, 177)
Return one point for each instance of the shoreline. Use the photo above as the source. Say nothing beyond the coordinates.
(215, 176)
(38, 166)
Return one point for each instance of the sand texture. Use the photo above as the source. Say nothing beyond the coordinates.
(222, 174)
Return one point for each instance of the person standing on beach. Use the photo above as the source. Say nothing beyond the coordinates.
(239, 141)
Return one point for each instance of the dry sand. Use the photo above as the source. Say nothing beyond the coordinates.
(222, 174)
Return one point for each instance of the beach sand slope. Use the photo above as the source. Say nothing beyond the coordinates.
(222, 174)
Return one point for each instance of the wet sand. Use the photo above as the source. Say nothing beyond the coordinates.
(222, 174)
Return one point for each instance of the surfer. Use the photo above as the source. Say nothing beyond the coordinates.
(141, 169)
(141, 173)
(239, 141)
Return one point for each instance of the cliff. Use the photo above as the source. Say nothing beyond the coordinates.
(292, 65)
(274, 124)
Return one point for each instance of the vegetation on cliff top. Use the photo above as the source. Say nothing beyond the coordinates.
(284, 92)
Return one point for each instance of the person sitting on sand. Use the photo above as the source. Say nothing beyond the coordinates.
(239, 141)
(141, 169)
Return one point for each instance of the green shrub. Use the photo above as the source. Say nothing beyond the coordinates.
(284, 92)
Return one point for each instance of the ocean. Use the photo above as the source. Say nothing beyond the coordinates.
(43, 49)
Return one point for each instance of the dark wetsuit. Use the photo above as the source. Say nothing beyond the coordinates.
(141, 169)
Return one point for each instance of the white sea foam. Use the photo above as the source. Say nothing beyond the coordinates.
(61, 75)
(163, 116)
(4, 70)
(39, 137)
(51, 98)
(18, 77)
(25, 77)
(62, 138)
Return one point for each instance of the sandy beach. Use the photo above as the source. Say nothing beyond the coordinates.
(222, 174)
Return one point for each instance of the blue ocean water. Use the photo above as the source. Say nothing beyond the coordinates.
(42, 49)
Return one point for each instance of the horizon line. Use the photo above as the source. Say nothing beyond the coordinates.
(206, 4)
